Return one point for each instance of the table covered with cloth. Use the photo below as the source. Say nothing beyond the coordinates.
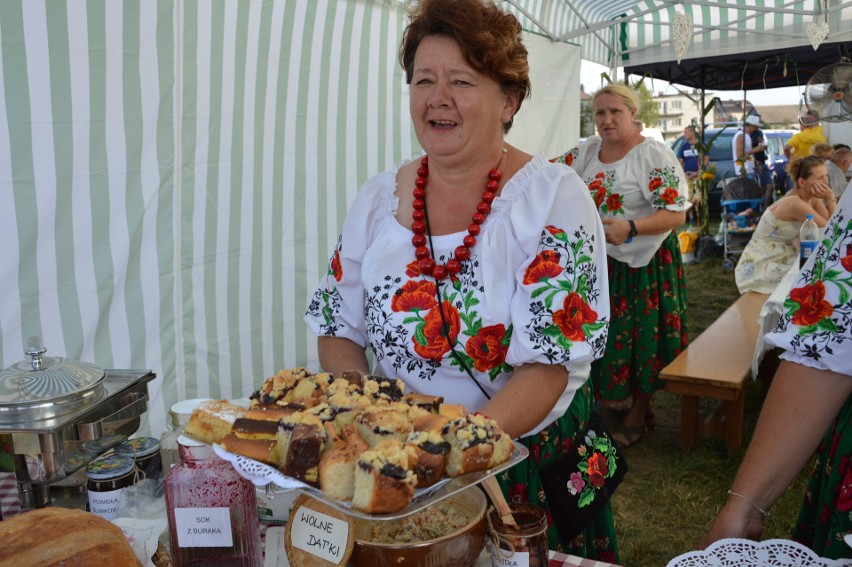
(770, 314)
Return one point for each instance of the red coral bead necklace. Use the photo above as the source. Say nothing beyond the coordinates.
(420, 225)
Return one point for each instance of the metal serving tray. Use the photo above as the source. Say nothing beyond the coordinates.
(262, 474)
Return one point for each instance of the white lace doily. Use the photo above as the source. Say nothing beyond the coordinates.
(261, 474)
(769, 553)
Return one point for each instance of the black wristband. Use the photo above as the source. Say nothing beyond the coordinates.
(633, 231)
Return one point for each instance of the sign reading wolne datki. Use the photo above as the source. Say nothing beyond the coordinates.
(318, 534)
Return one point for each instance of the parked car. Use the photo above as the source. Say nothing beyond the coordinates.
(776, 140)
(721, 154)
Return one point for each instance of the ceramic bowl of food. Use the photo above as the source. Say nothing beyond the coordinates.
(450, 533)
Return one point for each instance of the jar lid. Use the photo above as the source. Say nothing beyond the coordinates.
(44, 386)
(112, 466)
(137, 447)
(101, 444)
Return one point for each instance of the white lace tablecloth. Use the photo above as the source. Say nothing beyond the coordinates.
(742, 552)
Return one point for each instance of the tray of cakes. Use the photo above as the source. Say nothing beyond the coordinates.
(362, 446)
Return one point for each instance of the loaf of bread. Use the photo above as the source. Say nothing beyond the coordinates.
(212, 420)
(383, 481)
(60, 537)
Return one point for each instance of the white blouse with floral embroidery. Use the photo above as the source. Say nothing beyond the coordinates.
(816, 327)
(649, 178)
(534, 289)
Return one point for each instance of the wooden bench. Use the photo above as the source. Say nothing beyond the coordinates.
(716, 365)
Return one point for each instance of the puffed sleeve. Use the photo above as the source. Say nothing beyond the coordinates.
(560, 306)
(814, 329)
(337, 306)
(665, 185)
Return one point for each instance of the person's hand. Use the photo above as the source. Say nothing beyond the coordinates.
(736, 521)
(616, 230)
(822, 190)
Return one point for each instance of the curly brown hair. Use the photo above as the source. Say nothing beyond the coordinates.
(490, 41)
(802, 167)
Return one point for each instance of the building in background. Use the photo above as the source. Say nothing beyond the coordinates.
(676, 112)
(680, 110)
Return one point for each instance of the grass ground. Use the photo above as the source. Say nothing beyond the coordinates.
(668, 499)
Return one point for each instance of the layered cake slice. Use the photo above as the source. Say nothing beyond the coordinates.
(427, 456)
(476, 443)
(212, 420)
(383, 481)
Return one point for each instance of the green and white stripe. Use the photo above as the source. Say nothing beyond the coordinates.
(721, 26)
(173, 176)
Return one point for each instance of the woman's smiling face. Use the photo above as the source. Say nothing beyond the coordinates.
(613, 118)
(455, 109)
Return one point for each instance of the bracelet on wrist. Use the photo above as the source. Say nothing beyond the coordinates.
(633, 231)
(764, 513)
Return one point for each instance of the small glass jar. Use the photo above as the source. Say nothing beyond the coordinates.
(145, 452)
(212, 511)
(107, 479)
(179, 415)
(524, 544)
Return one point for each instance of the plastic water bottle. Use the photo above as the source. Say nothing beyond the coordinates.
(808, 238)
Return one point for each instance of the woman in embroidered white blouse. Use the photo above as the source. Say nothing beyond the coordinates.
(477, 274)
(639, 187)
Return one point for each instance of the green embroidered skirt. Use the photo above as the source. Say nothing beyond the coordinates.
(648, 324)
(826, 512)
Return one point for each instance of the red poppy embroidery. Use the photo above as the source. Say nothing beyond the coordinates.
(336, 267)
(812, 305)
(545, 265)
(486, 348)
(414, 296)
(597, 469)
(554, 230)
(655, 184)
(412, 270)
(437, 345)
(670, 195)
(574, 314)
(613, 202)
(846, 261)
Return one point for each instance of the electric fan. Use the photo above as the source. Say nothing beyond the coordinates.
(829, 92)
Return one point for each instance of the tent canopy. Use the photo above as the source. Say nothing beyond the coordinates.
(747, 71)
(633, 33)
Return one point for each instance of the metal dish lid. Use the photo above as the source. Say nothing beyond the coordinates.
(46, 386)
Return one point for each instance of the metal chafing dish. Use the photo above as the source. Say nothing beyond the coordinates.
(56, 415)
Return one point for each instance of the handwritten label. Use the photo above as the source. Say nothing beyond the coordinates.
(203, 527)
(319, 534)
(519, 559)
(105, 504)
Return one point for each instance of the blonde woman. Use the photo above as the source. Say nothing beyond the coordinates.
(774, 246)
(639, 188)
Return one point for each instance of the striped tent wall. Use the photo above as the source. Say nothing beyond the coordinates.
(173, 176)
